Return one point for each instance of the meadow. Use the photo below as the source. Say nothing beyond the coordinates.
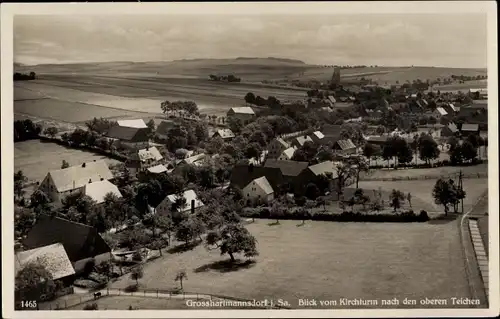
(123, 302)
(437, 172)
(36, 158)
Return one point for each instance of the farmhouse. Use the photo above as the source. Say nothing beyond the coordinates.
(226, 134)
(345, 147)
(289, 170)
(98, 190)
(242, 175)
(143, 159)
(130, 134)
(62, 182)
(312, 173)
(171, 203)
(287, 154)
(469, 129)
(259, 190)
(301, 140)
(82, 243)
(244, 113)
(276, 147)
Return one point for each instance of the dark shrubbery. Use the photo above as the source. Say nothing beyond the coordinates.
(26, 130)
(403, 217)
(91, 306)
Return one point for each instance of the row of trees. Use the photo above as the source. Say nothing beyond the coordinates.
(24, 77)
(26, 130)
(180, 108)
(224, 78)
(271, 102)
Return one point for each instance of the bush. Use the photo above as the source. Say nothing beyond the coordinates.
(92, 306)
(89, 266)
(423, 216)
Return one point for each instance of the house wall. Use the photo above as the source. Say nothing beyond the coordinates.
(254, 192)
(275, 149)
(245, 118)
(283, 157)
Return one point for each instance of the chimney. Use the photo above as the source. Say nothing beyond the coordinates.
(192, 206)
(83, 165)
(90, 180)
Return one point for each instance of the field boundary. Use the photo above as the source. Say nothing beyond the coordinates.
(424, 177)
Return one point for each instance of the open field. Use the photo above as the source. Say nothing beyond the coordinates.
(422, 189)
(36, 158)
(416, 172)
(123, 303)
(358, 260)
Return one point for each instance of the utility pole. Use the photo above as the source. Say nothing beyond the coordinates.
(461, 187)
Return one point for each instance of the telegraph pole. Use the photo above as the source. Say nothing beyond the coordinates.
(461, 187)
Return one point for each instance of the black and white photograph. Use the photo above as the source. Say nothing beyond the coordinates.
(283, 158)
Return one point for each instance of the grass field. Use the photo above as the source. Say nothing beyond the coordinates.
(123, 303)
(36, 158)
(434, 172)
(356, 260)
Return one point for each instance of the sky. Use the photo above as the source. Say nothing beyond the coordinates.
(447, 40)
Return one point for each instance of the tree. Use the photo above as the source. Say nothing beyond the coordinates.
(446, 193)
(250, 98)
(233, 238)
(396, 198)
(24, 219)
(359, 165)
(136, 274)
(151, 128)
(370, 151)
(180, 277)
(189, 229)
(32, 281)
(468, 150)
(345, 173)
(408, 198)
(50, 131)
(427, 148)
(253, 150)
(39, 198)
(64, 164)
(312, 191)
(277, 211)
(19, 182)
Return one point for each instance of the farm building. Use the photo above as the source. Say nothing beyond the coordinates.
(287, 154)
(345, 147)
(52, 257)
(98, 190)
(193, 159)
(377, 139)
(317, 137)
(62, 182)
(289, 170)
(81, 242)
(276, 147)
(450, 130)
(143, 159)
(259, 190)
(301, 140)
(170, 203)
(225, 134)
(312, 173)
(469, 129)
(242, 175)
(130, 134)
(440, 112)
(478, 93)
(245, 113)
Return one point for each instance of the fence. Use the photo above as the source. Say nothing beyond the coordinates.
(79, 299)
(424, 177)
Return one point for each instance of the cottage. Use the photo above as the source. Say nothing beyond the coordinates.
(258, 191)
(98, 190)
(172, 204)
(469, 129)
(377, 139)
(276, 147)
(62, 182)
(345, 147)
(144, 159)
(130, 134)
(225, 134)
(301, 140)
(245, 114)
(82, 243)
(287, 154)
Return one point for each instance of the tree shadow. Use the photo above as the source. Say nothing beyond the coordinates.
(301, 224)
(183, 247)
(226, 266)
(444, 219)
(276, 223)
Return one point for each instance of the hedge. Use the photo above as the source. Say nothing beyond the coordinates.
(111, 154)
(402, 217)
(425, 165)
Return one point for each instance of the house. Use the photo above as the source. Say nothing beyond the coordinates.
(244, 113)
(478, 93)
(130, 134)
(331, 133)
(98, 190)
(332, 99)
(289, 170)
(62, 182)
(345, 146)
(170, 203)
(276, 147)
(82, 243)
(52, 257)
(242, 175)
(317, 137)
(287, 154)
(450, 130)
(469, 129)
(259, 190)
(163, 128)
(225, 134)
(440, 112)
(450, 108)
(193, 159)
(143, 159)
(312, 173)
(157, 169)
(377, 139)
(301, 140)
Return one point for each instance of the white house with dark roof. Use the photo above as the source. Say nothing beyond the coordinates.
(244, 113)
(258, 190)
(169, 203)
(276, 147)
(98, 190)
(62, 182)
(225, 134)
(130, 133)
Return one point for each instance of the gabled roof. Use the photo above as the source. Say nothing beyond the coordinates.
(282, 142)
(346, 144)
(80, 241)
(98, 190)
(77, 176)
(263, 183)
(189, 195)
(318, 135)
(377, 138)
(192, 159)
(452, 107)
(139, 123)
(453, 127)
(441, 111)
(289, 152)
(242, 110)
(332, 99)
(324, 167)
(287, 168)
(129, 134)
(158, 169)
(241, 175)
(225, 133)
(52, 257)
(470, 127)
(301, 140)
(150, 153)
